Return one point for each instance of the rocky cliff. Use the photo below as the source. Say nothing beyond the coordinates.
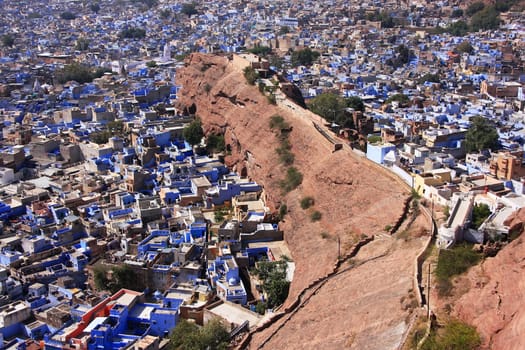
(355, 197)
(494, 303)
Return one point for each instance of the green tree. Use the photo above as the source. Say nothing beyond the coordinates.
(151, 64)
(165, 13)
(385, 17)
(79, 73)
(433, 78)
(307, 202)
(356, 103)
(475, 7)
(283, 210)
(464, 47)
(488, 18)
(332, 107)
(82, 44)
(480, 212)
(284, 30)
(180, 332)
(123, 277)
(215, 143)
(261, 307)
(189, 9)
(458, 28)
(374, 139)
(193, 132)
(149, 3)
(8, 40)
(403, 53)
(304, 57)
(504, 6)
(214, 335)
(274, 283)
(278, 122)
(100, 137)
(260, 50)
(455, 335)
(132, 33)
(68, 15)
(276, 61)
(457, 13)
(387, 21)
(115, 127)
(292, 180)
(100, 279)
(316, 216)
(251, 75)
(402, 99)
(95, 7)
(188, 336)
(401, 58)
(33, 15)
(482, 134)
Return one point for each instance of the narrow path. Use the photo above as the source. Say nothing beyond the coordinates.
(309, 292)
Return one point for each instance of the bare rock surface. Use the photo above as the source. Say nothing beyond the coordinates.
(354, 197)
(494, 302)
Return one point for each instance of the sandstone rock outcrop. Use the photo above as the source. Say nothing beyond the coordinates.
(355, 197)
(494, 303)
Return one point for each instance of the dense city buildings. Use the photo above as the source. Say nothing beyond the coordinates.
(119, 217)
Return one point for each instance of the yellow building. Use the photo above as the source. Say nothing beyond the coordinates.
(437, 177)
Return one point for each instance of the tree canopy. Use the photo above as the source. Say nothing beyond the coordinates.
(459, 28)
(79, 73)
(356, 103)
(429, 77)
(481, 135)
(122, 277)
(465, 46)
(456, 13)
(251, 75)
(260, 50)
(274, 283)
(304, 57)
(488, 18)
(480, 213)
(82, 44)
(132, 33)
(193, 132)
(95, 7)
(165, 13)
(474, 8)
(402, 99)
(189, 9)
(8, 40)
(188, 336)
(215, 143)
(401, 58)
(333, 107)
(68, 15)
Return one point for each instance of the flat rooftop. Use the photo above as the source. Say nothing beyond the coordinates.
(235, 314)
(142, 312)
(277, 248)
(126, 299)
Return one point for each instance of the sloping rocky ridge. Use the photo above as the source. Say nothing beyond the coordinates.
(494, 302)
(353, 196)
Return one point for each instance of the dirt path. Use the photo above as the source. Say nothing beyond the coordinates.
(360, 307)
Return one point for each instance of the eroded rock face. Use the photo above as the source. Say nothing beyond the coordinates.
(494, 303)
(353, 196)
